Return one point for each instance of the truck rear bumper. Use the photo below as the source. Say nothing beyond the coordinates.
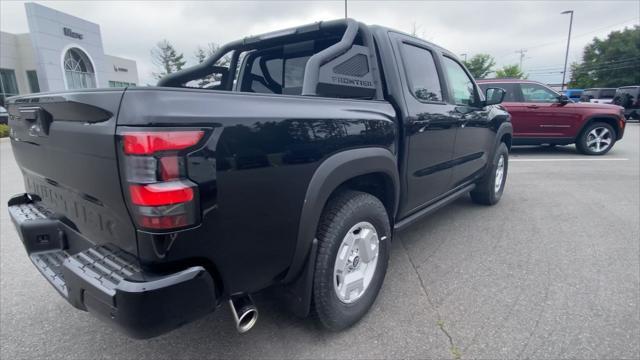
(107, 281)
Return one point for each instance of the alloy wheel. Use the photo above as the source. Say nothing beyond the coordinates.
(356, 262)
(599, 139)
(499, 174)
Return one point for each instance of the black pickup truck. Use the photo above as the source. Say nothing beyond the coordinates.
(152, 206)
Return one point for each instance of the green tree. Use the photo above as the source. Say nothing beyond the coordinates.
(612, 62)
(165, 57)
(579, 77)
(510, 72)
(480, 65)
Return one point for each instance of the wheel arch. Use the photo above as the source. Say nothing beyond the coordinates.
(358, 169)
(504, 133)
(605, 118)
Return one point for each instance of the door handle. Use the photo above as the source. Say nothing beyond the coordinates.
(420, 125)
(533, 106)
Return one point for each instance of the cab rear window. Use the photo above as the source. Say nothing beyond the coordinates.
(280, 70)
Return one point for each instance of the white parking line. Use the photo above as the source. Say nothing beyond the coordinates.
(567, 159)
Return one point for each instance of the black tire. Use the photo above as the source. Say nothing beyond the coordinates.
(345, 210)
(485, 192)
(581, 142)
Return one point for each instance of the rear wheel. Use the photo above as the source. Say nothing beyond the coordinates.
(353, 251)
(596, 139)
(488, 191)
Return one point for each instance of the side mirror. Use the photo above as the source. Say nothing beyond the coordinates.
(563, 99)
(494, 96)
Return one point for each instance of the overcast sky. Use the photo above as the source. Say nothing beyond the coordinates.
(499, 28)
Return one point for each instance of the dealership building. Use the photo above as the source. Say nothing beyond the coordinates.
(60, 52)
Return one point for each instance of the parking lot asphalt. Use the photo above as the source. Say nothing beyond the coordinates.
(550, 272)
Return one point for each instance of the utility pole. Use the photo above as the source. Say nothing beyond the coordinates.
(566, 55)
(345, 9)
(521, 52)
(465, 56)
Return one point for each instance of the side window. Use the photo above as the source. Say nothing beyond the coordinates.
(464, 92)
(510, 89)
(421, 73)
(537, 93)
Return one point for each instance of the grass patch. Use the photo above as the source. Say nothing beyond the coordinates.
(4, 130)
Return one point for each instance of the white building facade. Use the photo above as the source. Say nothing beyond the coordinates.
(60, 52)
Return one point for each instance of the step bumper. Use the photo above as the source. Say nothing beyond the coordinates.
(105, 280)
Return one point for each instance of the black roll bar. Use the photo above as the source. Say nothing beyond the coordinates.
(183, 76)
(312, 69)
(373, 59)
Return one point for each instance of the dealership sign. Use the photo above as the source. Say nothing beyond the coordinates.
(70, 33)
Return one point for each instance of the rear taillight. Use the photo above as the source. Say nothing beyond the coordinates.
(165, 193)
(151, 142)
(160, 194)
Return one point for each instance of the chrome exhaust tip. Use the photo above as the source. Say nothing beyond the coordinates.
(245, 313)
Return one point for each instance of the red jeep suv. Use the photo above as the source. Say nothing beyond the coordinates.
(542, 116)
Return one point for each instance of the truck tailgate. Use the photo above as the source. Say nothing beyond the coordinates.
(65, 146)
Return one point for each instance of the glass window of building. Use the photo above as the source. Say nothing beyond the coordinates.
(120, 84)
(32, 76)
(78, 70)
(8, 84)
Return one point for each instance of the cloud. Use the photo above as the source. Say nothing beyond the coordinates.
(499, 28)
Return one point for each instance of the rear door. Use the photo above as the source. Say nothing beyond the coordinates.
(430, 130)
(64, 144)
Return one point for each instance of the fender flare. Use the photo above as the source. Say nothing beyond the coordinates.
(504, 128)
(331, 173)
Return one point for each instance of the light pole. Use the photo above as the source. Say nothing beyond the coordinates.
(566, 56)
(345, 9)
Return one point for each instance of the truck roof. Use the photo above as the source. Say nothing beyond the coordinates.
(378, 28)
